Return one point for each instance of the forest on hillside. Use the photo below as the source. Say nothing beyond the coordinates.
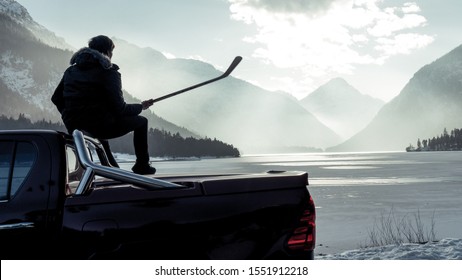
(444, 142)
(161, 143)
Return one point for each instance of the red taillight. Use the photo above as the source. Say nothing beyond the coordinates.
(304, 236)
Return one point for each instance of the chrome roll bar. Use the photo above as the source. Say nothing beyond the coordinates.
(92, 170)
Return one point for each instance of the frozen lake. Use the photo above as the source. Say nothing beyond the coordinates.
(352, 190)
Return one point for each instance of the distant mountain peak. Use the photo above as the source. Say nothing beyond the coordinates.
(337, 89)
(342, 107)
(337, 81)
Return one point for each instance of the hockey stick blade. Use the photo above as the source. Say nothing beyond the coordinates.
(233, 65)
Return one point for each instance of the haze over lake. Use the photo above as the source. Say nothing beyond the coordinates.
(352, 190)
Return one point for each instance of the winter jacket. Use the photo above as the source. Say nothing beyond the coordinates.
(90, 92)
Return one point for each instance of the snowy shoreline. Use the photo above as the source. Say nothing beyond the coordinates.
(445, 249)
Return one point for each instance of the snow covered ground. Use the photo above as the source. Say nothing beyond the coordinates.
(445, 249)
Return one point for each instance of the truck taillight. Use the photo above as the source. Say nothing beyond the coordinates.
(304, 236)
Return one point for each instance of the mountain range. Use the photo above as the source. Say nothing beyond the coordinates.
(430, 102)
(335, 117)
(232, 110)
(253, 119)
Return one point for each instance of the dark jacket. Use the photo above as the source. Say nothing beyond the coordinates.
(90, 92)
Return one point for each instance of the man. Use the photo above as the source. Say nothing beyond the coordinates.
(89, 98)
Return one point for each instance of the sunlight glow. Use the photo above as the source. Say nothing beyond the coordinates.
(330, 37)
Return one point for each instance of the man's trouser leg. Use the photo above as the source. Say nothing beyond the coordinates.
(140, 141)
(122, 126)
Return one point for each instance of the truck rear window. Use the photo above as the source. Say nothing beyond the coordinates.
(16, 161)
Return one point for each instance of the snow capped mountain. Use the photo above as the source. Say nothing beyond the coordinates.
(15, 10)
(20, 14)
(29, 68)
(342, 107)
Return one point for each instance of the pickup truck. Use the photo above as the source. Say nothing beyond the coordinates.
(61, 199)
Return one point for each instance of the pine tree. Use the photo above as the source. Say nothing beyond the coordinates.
(445, 142)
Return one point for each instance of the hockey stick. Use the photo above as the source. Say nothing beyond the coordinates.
(230, 69)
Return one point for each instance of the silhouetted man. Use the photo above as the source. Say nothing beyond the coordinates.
(89, 98)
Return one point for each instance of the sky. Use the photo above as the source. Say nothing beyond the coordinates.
(293, 46)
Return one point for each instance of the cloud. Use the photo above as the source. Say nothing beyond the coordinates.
(403, 43)
(390, 23)
(278, 6)
(411, 8)
(328, 37)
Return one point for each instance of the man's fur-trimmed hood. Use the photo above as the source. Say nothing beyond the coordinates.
(86, 56)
